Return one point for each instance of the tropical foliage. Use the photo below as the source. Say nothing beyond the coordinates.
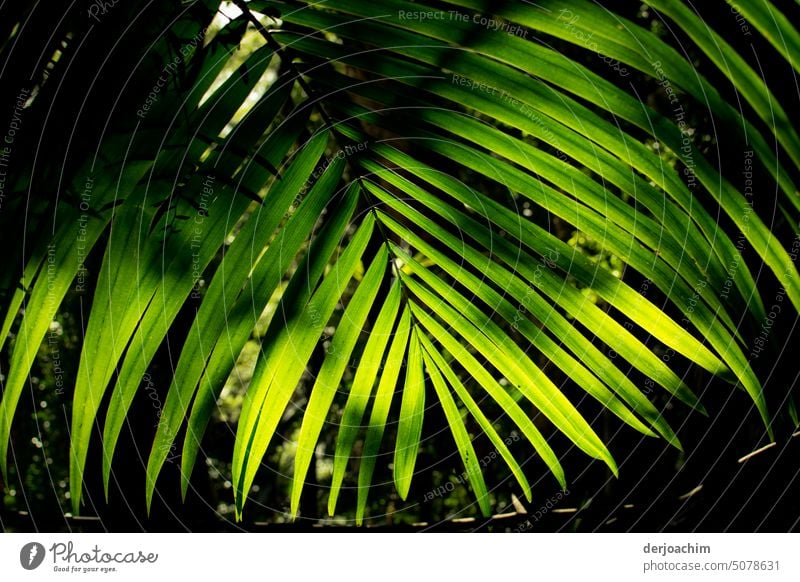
(462, 206)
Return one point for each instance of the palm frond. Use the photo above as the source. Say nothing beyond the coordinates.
(379, 190)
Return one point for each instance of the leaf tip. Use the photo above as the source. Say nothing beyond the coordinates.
(332, 504)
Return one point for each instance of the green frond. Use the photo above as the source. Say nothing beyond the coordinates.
(387, 208)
